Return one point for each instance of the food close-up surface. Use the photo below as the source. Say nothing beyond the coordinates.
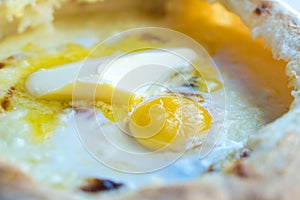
(133, 99)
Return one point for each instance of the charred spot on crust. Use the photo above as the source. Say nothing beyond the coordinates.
(241, 169)
(245, 153)
(2, 65)
(213, 168)
(258, 11)
(261, 9)
(6, 100)
(99, 185)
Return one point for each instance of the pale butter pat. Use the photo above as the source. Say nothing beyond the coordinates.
(108, 79)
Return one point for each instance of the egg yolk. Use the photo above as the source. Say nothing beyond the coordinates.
(169, 123)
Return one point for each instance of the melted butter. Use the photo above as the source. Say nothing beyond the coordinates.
(42, 116)
(44, 59)
(41, 124)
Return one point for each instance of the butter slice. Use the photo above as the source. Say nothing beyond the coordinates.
(103, 78)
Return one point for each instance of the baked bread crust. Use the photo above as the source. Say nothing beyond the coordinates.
(17, 16)
(271, 170)
(14, 184)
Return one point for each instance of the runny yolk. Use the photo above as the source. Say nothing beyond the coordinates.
(169, 123)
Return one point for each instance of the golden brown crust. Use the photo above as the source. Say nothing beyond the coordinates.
(279, 25)
(271, 171)
(17, 17)
(272, 20)
(14, 184)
